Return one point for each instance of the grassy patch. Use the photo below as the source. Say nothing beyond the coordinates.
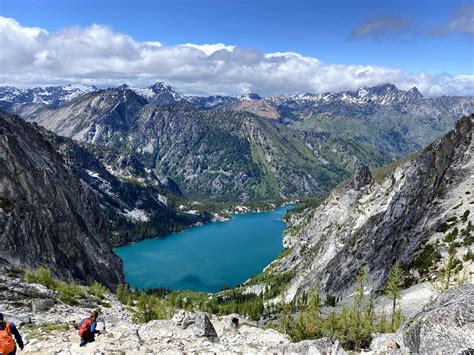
(97, 290)
(68, 293)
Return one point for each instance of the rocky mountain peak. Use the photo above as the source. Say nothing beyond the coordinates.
(362, 176)
(160, 93)
(384, 88)
(251, 96)
(160, 86)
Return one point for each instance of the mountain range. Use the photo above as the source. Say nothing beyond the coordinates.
(221, 154)
(395, 122)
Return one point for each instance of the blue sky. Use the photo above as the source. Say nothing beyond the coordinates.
(414, 36)
(314, 28)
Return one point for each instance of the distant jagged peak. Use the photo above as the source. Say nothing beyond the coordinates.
(250, 96)
(384, 87)
(79, 86)
(415, 92)
(123, 86)
(161, 85)
(160, 93)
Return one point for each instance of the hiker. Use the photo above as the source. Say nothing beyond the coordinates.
(87, 330)
(7, 332)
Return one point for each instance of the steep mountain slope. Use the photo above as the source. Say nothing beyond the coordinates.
(48, 216)
(137, 203)
(412, 214)
(225, 155)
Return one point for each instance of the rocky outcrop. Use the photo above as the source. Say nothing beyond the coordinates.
(406, 211)
(48, 216)
(197, 322)
(445, 326)
(362, 177)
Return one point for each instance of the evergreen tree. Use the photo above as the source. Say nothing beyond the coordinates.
(313, 312)
(286, 317)
(382, 326)
(393, 289)
(450, 274)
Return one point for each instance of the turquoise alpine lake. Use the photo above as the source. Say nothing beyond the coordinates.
(209, 257)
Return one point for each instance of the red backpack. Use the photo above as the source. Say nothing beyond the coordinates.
(85, 326)
(7, 343)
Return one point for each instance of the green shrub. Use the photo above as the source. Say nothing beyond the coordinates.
(443, 227)
(5, 204)
(426, 258)
(14, 272)
(105, 304)
(69, 292)
(468, 237)
(42, 276)
(469, 256)
(97, 290)
(451, 236)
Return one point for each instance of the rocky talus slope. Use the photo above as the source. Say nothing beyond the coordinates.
(444, 325)
(45, 323)
(412, 213)
(48, 216)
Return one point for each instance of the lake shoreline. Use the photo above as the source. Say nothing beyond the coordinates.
(213, 261)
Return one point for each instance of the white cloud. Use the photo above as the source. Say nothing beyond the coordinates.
(210, 48)
(461, 21)
(100, 56)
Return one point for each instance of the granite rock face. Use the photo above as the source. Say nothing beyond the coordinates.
(48, 216)
(375, 222)
(445, 325)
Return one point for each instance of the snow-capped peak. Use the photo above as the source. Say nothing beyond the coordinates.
(159, 93)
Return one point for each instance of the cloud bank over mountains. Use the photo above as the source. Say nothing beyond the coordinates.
(100, 56)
